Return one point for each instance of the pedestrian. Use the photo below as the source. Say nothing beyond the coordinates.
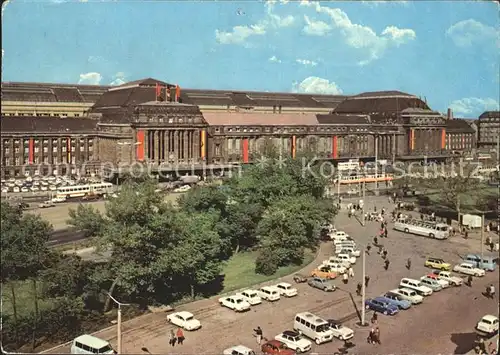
(359, 288)
(384, 253)
(367, 280)
(377, 335)
(408, 264)
(374, 318)
(371, 337)
(375, 241)
(466, 235)
(180, 336)
(172, 339)
(385, 232)
(386, 264)
(258, 333)
(345, 278)
(368, 248)
(469, 281)
(351, 272)
(492, 246)
(382, 225)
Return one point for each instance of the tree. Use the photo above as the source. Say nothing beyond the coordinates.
(24, 250)
(86, 218)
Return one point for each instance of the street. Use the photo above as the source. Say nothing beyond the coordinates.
(444, 323)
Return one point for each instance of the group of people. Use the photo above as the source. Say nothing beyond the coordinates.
(176, 337)
(374, 336)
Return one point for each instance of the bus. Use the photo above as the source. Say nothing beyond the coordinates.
(424, 228)
(100, 189)
(359, 179)
(352, 164)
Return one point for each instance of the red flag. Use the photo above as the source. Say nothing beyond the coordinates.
(177, 92)
(158, 91)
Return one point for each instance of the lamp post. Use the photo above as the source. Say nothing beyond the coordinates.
(363, 207)
(363, 289)
(118, 323)
(376, 165)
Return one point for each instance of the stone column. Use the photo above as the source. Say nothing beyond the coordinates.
(176, 145)
(196, 145)
(186, 146)
(156, 139)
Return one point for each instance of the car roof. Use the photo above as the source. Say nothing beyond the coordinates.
(249, 291)
(272, 288)
(467, 264)
(91, 341)
(240, 348)
(274, 342)
(490, 317)
(379, 298)
(284, 284)
(407, 289)
(333, 321)
(184, 314)
(432, 257)
(291, 333)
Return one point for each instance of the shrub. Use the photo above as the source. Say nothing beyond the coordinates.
(266, 263)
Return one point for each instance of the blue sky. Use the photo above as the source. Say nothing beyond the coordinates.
(446, 51)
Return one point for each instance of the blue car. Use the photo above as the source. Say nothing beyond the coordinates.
(396, 300)
(379, 304)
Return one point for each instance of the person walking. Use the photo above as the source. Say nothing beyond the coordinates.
(351, 272)
(408, 264)
(345, 278)
(258, 333)
(375, 241)
(384, 253)
(386, 264)
(180, 336)
(492, 246)
(377, 336)
(385, 232)
(371, 337)
(359, 288)
(367, 280)
(469, 281)
(368, 248)
(172, 339)
(374, 318)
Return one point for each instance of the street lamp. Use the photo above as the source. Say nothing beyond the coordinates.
(119, 323)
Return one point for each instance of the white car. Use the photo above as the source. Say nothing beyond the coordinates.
(408, 294)
(337, 234)
(340, 331)
(415, 285)
(184, 320)
(468, 269)
(293, 340)
(335, 260)
(442, 283)
(236, 303)
(348, 250)
(16, 189)
(287, 290)
(487, 325)
(269, 293)
(338, 268)
(251, 296)
(52, 187)
(446, 276)
(347, 257)
(238, 350)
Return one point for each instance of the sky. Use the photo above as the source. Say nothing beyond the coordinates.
(446, 52)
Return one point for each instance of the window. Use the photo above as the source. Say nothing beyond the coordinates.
(45, 160)
(54, 149)
(26, 150)
(37, 149)
(77, 115)
(16, 150)
(6, 150)
(45, 149)
(217, 149)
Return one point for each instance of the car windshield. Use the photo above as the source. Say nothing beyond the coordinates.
(239, 300)
(295, 338)
(322, 328)
(188, 318)
(104, 349)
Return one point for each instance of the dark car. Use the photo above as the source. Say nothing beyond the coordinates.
(380, 305)
(299, 278)
(274, 347)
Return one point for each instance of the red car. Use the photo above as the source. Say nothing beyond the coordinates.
(274, 347)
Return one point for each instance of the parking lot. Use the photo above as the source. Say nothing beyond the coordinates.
(444, 323)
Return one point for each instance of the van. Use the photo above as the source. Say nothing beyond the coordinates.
(489, 262)
(415, 285)
(313, 327)
(89, 344)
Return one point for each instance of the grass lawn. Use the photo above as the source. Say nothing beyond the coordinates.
(239, 271)
(24, 299)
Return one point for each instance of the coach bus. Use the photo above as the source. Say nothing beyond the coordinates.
(75, 191)
(423, 228)
(359, 179)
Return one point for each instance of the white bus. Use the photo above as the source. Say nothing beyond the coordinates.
(352, 164)
(424, 228)
(67, 192)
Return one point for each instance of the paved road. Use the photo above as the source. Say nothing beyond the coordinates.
(442, 324)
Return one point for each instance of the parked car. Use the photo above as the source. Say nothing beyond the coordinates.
(437, 263)
(299, 278)
(396, 300)
(294, 341)
(488, 325)
(324, 272)
(415, 285)
(323, 284)
(251, 296)
(184, 320)
(287, 290)
(334, 260)
(442, 283)
(468, 269)
(269, 293)
(447, 276)
(408, 294)
(275, 347)
(380, 305)
(340, 331)
(434, 285)
(46, 204)
(238, 350)
(347, 257)
(236, 303)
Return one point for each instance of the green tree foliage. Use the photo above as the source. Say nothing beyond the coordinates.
(266, 263)
(86, 218)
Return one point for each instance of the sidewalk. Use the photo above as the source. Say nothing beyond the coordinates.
(493, 341)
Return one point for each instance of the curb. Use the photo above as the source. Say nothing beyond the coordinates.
(321, 247)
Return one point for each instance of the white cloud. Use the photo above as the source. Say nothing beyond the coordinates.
(306, 62)
(91, 78)
(315, 85)
(468, 32)
(315, 28)
(473, 105)
(376, 3)
(274, 59)
(399, 35)
(362, 37)
(119, 79)
(239, 34)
